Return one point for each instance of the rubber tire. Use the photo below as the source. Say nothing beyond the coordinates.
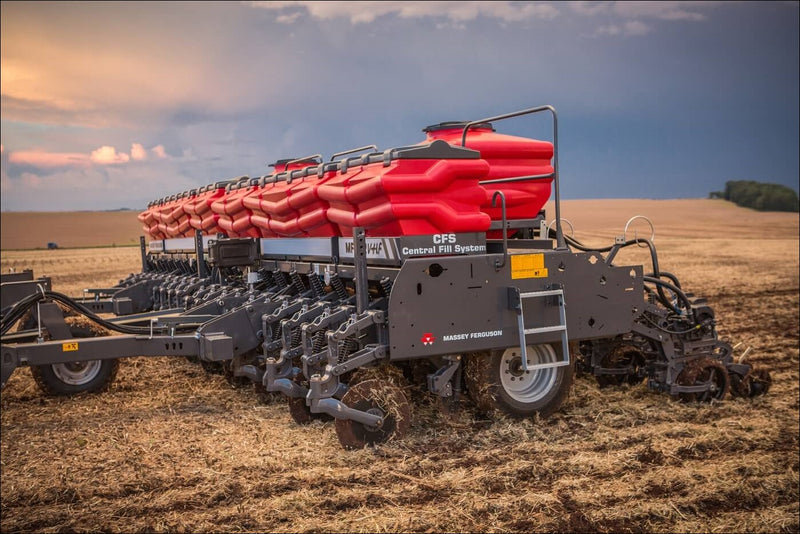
(482, 378)
(51, 385)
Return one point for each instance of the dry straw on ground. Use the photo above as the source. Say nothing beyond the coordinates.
(171, 448)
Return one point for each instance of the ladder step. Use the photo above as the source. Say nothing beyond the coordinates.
(549, 293)
(547, 365)
(543, 329)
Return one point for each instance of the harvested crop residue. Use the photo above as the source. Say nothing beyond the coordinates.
(172, 448)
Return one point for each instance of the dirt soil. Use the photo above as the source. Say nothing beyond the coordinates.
(31, 230)
(170, 448)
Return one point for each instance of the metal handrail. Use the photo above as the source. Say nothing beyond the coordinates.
(559, 233)
(497, 264)
(298, 160)
(354, 150)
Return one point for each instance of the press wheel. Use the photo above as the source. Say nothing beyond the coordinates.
(299, 411)
(704, 371)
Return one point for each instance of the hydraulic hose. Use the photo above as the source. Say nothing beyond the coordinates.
(19, 309)
(662, 297)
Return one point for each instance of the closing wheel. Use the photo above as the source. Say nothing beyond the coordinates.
(377, 397)
(71, 378)
(705, 371)
(496, 381)
(299, 411)
(621, 357)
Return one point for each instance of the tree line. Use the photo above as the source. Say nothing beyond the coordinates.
(759, 196)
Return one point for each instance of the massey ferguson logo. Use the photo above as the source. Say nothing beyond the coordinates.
(427, 339)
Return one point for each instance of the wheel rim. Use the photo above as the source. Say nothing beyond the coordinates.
(77, 373)
(532, 385)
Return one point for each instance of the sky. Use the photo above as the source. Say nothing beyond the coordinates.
(111, 105)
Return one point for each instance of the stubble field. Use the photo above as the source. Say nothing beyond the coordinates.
(171, 448)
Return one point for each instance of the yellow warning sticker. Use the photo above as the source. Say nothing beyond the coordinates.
(528, 266)
(69, 347)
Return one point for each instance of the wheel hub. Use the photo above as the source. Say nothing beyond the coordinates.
(531, 385)
(77, 373)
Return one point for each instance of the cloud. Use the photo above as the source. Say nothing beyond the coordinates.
(590, 8)
(638, 10)
(48, 160)
(138, 152)
(366, 12)
(159, 152)
(93, 188)
(628, 28)
(105, 155)
(663, 10)
(108, 155)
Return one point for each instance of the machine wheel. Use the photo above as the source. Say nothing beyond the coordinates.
(741, 386)
(622, 356)
(705, 371)
(377, 397)
(496, 381)
(264, 396)
(75, 377)
(214, 368)
(760, 381)
(300, 412)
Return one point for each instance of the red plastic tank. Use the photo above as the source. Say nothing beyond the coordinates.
(234, 218)
(199, 208)
(340, 211)
(178, 219)
(425, 189)
(163, 215)
(312, 211)
(508, 156)
(269, 203)
(149, 221)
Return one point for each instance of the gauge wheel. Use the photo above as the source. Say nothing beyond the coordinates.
(75, 377)
(496, 381)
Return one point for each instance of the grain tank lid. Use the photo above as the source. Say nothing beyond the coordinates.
(437, 149)
(457, 125)
(236, 183)
(281, 164)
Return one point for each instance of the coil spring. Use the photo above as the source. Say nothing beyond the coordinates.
(267, 278)
(280, 279)
(386, 286)
(346, 348)
(275, 330)
(297, 282)
(318, 342)
(316, 284)
(338, 287)
(297, 335)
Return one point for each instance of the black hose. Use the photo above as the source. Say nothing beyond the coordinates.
(661, 284)
(662, 297)
(25, 304)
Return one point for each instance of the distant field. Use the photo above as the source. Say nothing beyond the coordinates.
(27, 230)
